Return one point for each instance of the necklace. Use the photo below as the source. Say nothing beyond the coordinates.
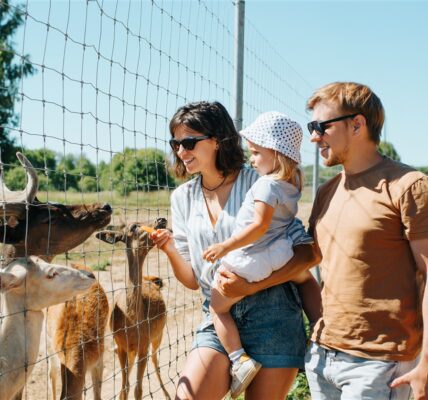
(214, 188)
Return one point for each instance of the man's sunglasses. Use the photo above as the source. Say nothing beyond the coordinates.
(188, 143)
(320, 126)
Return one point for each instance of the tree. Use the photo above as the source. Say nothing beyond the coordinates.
(144, 170)
(13, 67)
(387, 149)
(43, 160)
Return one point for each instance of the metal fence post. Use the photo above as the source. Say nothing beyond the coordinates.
(239, 61)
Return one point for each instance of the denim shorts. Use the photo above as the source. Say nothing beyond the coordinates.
(270, 325)
(335, 375)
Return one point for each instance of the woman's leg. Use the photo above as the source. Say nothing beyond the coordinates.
(205, 376)
(271, 383)
(224, 324)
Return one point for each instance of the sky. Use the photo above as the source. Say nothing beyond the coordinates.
(112, 73)
(383, 44)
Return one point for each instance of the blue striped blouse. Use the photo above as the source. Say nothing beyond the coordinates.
(193, 231)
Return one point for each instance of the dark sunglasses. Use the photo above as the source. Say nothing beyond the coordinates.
(320, 126)
(188, 143)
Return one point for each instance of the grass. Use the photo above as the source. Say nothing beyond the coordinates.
(101, 266)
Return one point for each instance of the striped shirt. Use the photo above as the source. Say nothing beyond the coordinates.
(193, 231)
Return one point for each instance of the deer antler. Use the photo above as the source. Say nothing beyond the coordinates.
(26, 195)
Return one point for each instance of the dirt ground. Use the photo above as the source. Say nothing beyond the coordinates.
(183, 308)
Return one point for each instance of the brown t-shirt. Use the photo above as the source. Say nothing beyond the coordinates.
(363, 224)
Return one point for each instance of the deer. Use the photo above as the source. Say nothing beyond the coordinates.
(27, 286)
(48, 229)
(138, 316)
(76, 332)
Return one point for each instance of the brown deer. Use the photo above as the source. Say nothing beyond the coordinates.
(76, 331)
(48, 229)
(27, 286)
(139, 312)
(30, 227)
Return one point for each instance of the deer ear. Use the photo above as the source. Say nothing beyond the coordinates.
(110, 237)
(8, 281)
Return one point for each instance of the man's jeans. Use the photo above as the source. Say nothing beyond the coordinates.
(334, 375)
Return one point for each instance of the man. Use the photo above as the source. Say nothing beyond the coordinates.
(370, 223)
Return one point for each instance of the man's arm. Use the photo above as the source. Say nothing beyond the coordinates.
(305, 257)
(417, 378)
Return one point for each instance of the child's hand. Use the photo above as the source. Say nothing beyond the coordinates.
(162, 238)
(214, 252)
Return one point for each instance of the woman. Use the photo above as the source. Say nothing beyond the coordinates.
(205, 142)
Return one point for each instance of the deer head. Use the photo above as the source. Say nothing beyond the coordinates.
(132, 235)
(45, 229)
(40, 284)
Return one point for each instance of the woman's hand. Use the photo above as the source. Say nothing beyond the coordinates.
(162, 238)
(214, 252)
(232, 285)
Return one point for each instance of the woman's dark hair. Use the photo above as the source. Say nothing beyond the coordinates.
(210, 119)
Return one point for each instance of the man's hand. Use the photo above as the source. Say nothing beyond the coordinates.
(232, 285)
(214, 252)
(417, 378)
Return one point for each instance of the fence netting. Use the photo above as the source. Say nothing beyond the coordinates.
(93, 122)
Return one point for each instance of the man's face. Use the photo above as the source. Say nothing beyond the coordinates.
(334, 144)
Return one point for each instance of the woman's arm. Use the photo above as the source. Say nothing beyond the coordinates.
(183, 271)
(263, 213)
(305, 257)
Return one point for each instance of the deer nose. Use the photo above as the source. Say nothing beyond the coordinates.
(106, 207)
(161, 223)
(89, 274)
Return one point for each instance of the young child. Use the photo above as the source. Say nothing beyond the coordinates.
(259, 244)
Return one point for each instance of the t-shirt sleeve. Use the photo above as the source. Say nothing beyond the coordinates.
(414, 210)
(179, 224)
(265, 190)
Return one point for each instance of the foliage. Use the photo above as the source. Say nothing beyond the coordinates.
(423, 169)
(387, 149)
(13, 67)
(300, 390)
(141, 170)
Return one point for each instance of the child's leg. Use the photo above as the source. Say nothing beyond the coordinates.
(223, 322)
(310, 293)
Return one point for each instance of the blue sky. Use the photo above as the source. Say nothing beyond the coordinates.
(383, 44)
(176, 51)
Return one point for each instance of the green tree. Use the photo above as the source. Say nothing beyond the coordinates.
(387, 149)
(44, 161)
(76, 173)
(144, 170)
(423, 169)
(13, 67)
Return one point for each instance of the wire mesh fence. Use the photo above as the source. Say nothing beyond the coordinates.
(94, 124)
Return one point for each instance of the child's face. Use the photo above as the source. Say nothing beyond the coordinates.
(262, 159)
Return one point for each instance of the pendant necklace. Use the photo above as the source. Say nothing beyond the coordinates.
(214, 188)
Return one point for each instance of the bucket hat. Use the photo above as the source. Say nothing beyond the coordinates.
(276, 131)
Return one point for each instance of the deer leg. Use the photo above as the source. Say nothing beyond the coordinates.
(53, 374)
(72, 384)
(141, 366)
(155, 346)
(97, 377)
(18, 396)
(123, 360)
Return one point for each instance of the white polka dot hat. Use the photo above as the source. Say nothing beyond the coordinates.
(276, 131)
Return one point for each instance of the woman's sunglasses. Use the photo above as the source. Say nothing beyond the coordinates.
(188, 143)
(320, 126)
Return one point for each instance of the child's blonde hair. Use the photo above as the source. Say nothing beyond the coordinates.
(288, 170)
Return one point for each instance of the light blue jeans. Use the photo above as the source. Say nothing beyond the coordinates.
(334, 375)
